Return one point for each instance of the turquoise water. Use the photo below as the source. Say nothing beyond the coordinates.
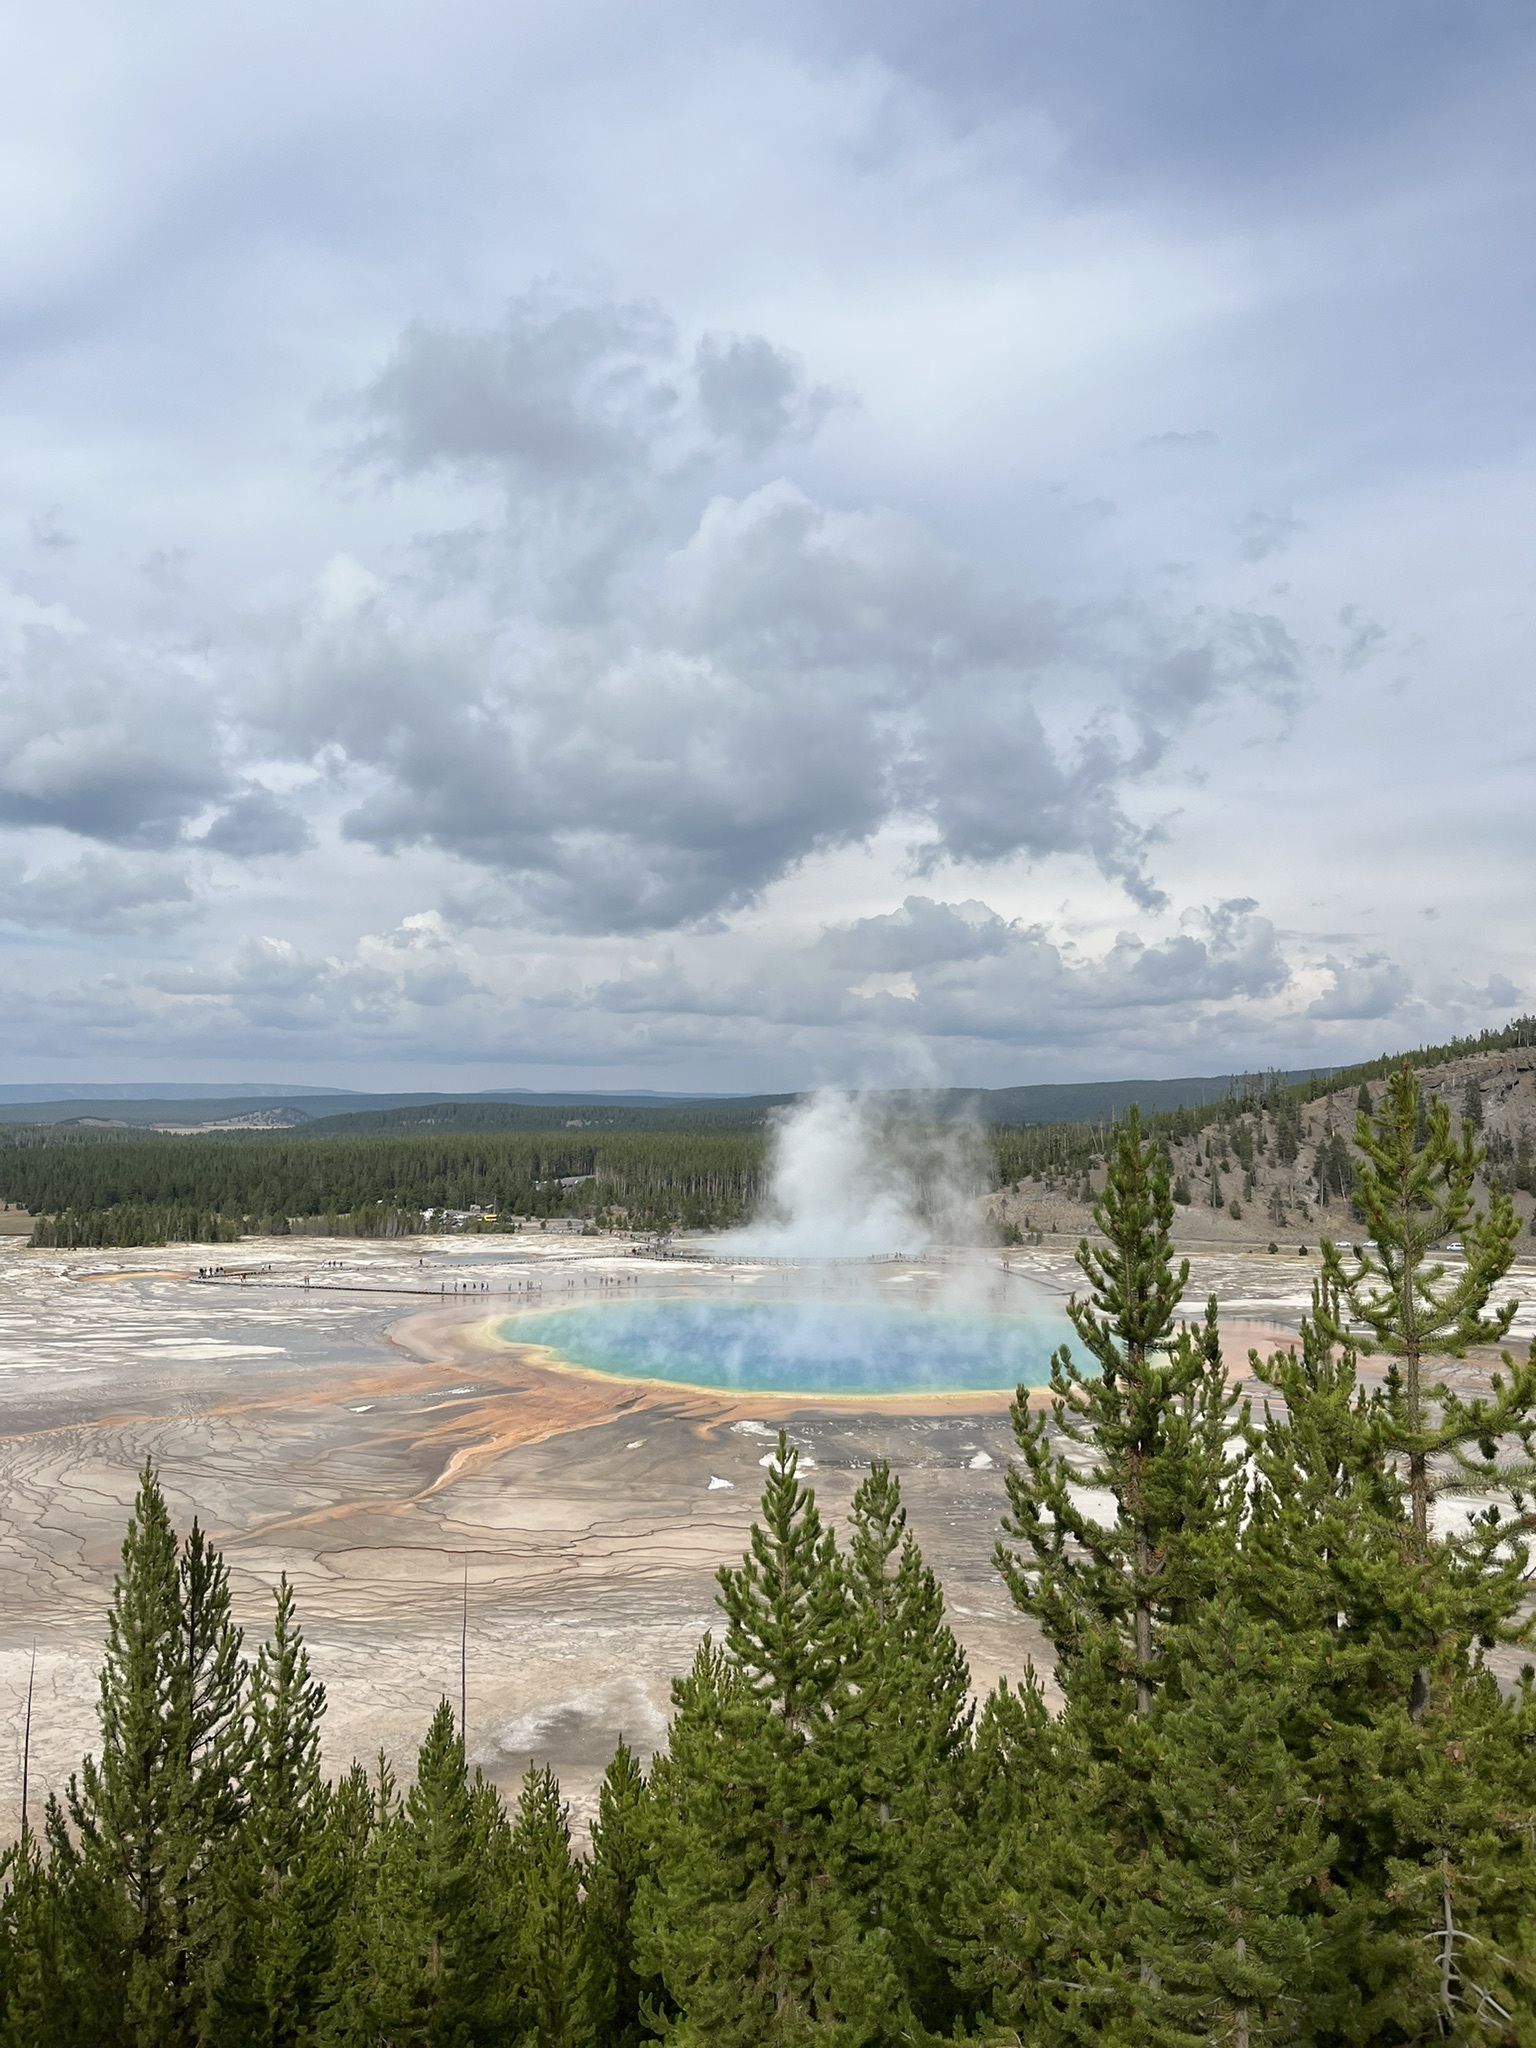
(799, 1347)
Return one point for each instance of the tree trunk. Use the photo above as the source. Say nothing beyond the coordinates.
(1143, 1626)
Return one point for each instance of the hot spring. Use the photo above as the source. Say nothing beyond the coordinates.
(805, 1347)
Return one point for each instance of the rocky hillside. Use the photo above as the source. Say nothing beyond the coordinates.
(1258, 1176)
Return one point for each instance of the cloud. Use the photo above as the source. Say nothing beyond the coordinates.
(757, 395)
(919, 934)
(114, 741)
(1198, 437)
(561, 394)
(663, 592)
(789, 679)
(100, 893)
(47, 532)
(255, 823)
(1263, 533)
(958, 971)
(1363, 637)
(390, 981)
(568, 393)
(1368, 986)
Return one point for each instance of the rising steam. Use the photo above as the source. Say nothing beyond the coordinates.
(849, 1178)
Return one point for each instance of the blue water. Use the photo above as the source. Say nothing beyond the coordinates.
(795, 1347)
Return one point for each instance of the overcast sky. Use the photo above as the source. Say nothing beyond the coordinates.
(704, 545)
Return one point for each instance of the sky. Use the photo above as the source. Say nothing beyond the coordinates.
(703, 546)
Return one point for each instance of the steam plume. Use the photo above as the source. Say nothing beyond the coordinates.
(848, 1178)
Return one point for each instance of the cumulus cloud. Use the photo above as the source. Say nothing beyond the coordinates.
(558, 395)
(255, 823)
(568, 392)
(919, 934)
(757, 395)
(1367, 986)
(98, 893)
(271, 985)
(751, 678)
(109, 738)
(646, 690)
(959, 971)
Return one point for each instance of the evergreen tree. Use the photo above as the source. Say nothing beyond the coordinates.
(544, 1960)
(1472, 1103)
(1153, 1413)
(703, 1915)
(1031, 1856)
(616, 1994)
(1392, 1298)
(288, 1878)
(914, 1732)
(1232, 1951)
(363, 1815)
(1423, 1766)
(756, 1915)
(39, 2005)
(418, 1964)
(151, 1820)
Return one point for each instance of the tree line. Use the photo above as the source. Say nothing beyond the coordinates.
(105, 1188)
(1283, 1796)
(108, 1184)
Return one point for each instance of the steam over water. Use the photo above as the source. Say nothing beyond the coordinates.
(801, 1347)
(847, 1179)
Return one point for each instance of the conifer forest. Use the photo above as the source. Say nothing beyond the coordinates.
(1273, 1790)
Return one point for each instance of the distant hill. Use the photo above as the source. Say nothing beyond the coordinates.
(1087, 1102)
(515, 1109)
(585, 1113)
(57, 1092)
(1046, 1103)
(291, 1108)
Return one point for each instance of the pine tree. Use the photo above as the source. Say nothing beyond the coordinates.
(39, 2007)
(755, 1917)
(703, 1914)
(1023, 1860)
(1472, 1103)
(1224, 1927)
(152, 1818)
(1423, 1766)
(615, 1992)
(287, 1880)
(418, 1964)
(1153, 1413)
(545, 1957)
(914, 1734)
(363, 1815)
(1392, 1298)
(213, 1736)
(1151, 1428)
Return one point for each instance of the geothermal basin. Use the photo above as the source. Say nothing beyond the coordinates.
(375, 1418)
(833, 1349)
